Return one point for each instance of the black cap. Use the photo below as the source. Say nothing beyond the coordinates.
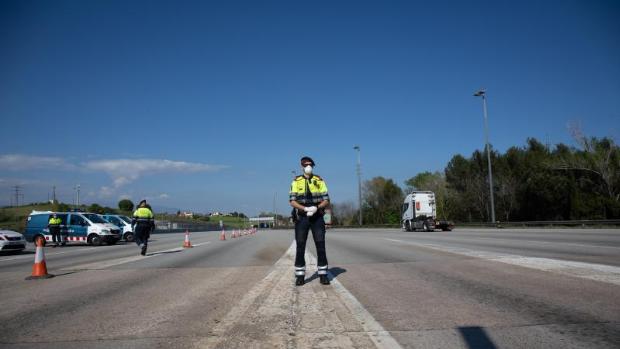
(307, 159)
(143, 202)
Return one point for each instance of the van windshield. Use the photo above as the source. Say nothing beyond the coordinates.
(125, 218)
(95, 218)
(113, 220)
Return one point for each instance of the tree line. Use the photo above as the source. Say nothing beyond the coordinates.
(530, 183)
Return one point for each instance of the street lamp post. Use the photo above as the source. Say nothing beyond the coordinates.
(359, 183)
(275, 212)
(77, 188)
(482, 93)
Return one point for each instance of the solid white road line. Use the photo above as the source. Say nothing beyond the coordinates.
(379, 336)
(591, 271)
(536, 242)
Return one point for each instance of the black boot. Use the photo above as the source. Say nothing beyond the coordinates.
(300, 280)
(324, 280)
(143, 252)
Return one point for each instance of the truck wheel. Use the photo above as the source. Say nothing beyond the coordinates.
(425, 227)
(95, 240)
(129, 237)
(408, 225)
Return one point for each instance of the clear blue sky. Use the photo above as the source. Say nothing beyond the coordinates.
(209, 105)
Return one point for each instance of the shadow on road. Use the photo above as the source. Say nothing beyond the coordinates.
(333, 272)
(476, 338)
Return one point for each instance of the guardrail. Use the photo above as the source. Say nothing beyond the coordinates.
(173, 227)
(522, 224)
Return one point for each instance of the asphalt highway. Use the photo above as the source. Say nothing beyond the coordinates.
(469, 288)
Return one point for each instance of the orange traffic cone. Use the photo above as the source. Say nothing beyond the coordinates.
(223, 235)
(39, 269)
(187, 244)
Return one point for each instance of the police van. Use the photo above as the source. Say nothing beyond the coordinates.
(76, 227)
(123, 222)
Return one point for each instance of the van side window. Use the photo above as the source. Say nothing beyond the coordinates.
(77, 220)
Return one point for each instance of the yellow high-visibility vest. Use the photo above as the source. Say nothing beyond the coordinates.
(308, 191)
(143, 212)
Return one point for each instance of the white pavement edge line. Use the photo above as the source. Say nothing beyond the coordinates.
(115, 262)
(379, 336)
(590, 271)
(548, 242)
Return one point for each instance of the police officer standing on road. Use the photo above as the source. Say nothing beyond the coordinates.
(54, 227)
(309, 197)
(142, 224)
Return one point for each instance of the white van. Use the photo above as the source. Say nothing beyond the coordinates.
(123, 222)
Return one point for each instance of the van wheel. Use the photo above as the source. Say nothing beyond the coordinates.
(94, 240)
(129, 237)
(39, 239)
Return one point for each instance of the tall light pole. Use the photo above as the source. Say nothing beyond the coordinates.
(482, 93)
(359, 183)
(275, 212)
(77, 188)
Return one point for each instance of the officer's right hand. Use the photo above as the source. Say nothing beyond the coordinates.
(310, 209)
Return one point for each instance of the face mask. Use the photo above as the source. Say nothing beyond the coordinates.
(308, 170)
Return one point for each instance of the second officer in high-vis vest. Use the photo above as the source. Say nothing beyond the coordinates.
(309, 198)
(54, 228)
(142, 223)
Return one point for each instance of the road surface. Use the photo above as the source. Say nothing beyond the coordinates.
(469, 288)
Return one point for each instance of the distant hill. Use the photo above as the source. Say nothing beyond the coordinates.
(14, 218)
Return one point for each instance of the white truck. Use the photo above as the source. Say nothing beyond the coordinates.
(419, 213)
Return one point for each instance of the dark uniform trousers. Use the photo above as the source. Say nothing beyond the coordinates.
(142, 233)
(317, 224)
(55, 231)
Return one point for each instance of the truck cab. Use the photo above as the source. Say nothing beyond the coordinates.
(419, 212)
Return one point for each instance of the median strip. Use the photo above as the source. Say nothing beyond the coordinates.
(277, 314)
